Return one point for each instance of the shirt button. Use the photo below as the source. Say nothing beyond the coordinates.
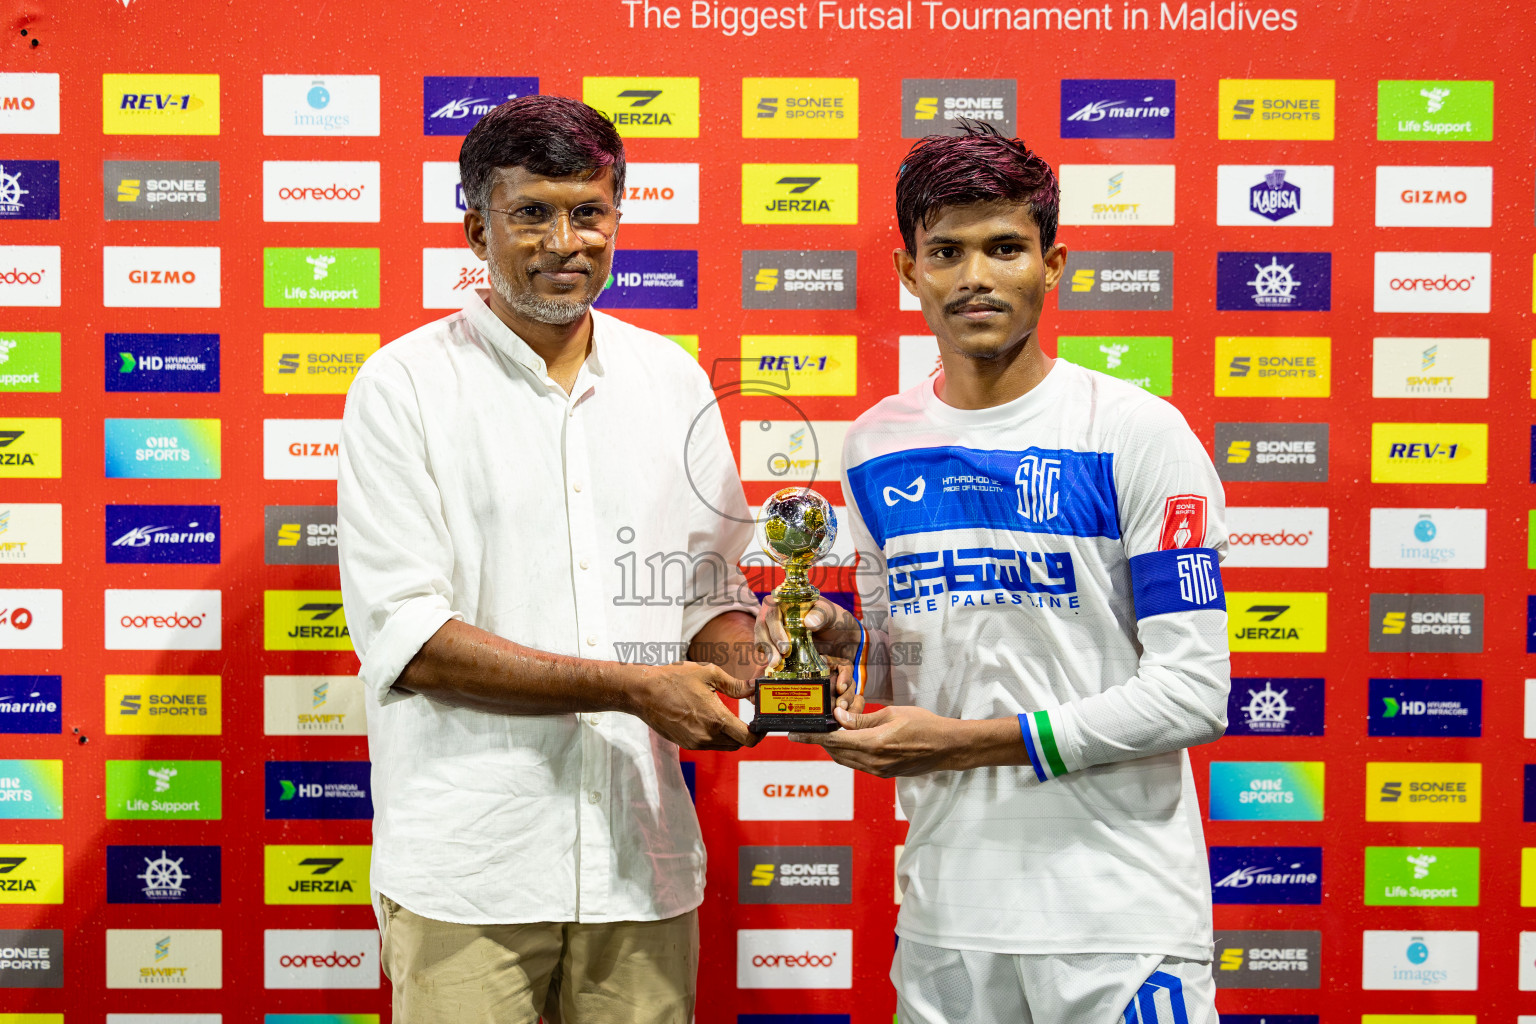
(576, 488)
(594, 719)
(594, 796)
(582, 563)
(592, 640)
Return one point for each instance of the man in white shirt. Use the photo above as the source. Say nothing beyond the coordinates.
(529, 489)
(1048, 537)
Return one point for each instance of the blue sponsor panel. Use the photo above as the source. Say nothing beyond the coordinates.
(1254, 875)
(163, 534)
(31, 704)
(792, 1018)
(1275, 707)
(691, 779)
(1269, 1018)
(163, 874)
(451, 105)
(1270, 282)
(652, 279)
(1426, 707)
(1037, 490)
(29, 190)
(1530, 792)
(1530, 624)
(318, 789)
(1177, 580)
(162, 362)
(1117, 108)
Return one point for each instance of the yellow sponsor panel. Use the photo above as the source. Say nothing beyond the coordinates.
(688, 342)
(149, 104)
(164, 706)
(1273, 367)
(1528, 877)
(1277, 621)
(811, 364)
(1533, 367)
(31, 447)
(646, 108)
(1275, 108)
(31, 1018)
(1429, 453)
(317, 874)
(305, 620)
(1418, 1018)
(313, 364)
(799, 108)
(1423, 791)
(799, 193)
(31, 873)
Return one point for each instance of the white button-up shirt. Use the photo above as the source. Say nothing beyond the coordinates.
(473, 487)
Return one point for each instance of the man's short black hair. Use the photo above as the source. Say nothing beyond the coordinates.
(551, 136)
(975, 166)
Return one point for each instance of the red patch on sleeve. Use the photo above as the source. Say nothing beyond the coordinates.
(1183, 522)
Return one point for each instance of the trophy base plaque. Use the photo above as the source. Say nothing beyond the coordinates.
(793, 705)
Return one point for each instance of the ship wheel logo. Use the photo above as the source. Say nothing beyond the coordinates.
(10, 188)
(1266, 709)
(163, 877)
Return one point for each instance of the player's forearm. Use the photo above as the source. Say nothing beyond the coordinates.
(988, 743)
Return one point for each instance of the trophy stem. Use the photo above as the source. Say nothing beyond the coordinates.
(795, 597)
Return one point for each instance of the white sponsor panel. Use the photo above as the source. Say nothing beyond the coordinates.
(440, 192)
(896, 880)
(165, 958)
(29, 275)
(1262, 536)
(29, 103)
(661, 194)
(31, 620)
(160, 276)
(794, 791)
(1530, 709)
(1433, 282)
(320, 191)
(1528, 967)
(321, 958)
(164, 620)
(448, 276)
(313, 706)
(300, 449)
(1429, 368)
(32, 533)
(1434, 197)
(1275, 195)
(1113, 194)
(906, 301)
(1429, 538)
(320, 104)
(794, 958)
(917, 360)
(165, 1018)
(792, 451)
(1444, 961)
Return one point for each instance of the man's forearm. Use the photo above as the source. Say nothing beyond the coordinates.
(988, 743)
(726, 640)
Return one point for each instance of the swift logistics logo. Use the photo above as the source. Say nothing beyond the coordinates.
(646, 108)
(162, 534)
(1426, 707)
(935, 106)
(162, 449)
(164, 875)
(799, 108)
(29, 275)
(794, 958)
(32, 533)
(1114, 194)
(163, 620)
(1434, 197)
(1419, 960)
(160, 276)
(1277, 621)
(1276, 537)
(31, 620)
(1429, 453)
(34, 958)
(1434, 111)
(1429, 538)
(328, 790)
(1103, 280)
(31, 447)
(1117, 108)
(1275, 707)
(152, 104)
(324, 105)
(1268, 959)
(301, 449)
(32, 790)
(31, 873)
(1423, 791)
(810, 364)
(313, 364)
(305, 620)
(453, 104)
(1266, 791)
(1262, 875)
(30, 361)
(799, 279)
(1427, 623)
(1275, 108)
(29, 103)
(795, 874)
(313, 705)
(320, 191)
(300, 534)
(1146, 362)
(1422, 876)
(161, 362)
(794, 791)
(160, 189)
(1429, 368)
(165, 958)
(1432, 282)
(317, 875)
(652, 279)
(29, 190)
(31, 705)
(164, 706)
(1274, 282)
(1273, 367)
(799, 193)
(164, 790)
(1267, 196)
(793, 451)
(320, 278)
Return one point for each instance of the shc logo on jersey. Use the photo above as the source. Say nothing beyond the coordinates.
(1176, 581)
(1038, 480)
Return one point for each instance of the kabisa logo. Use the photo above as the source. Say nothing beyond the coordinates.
(152, 104)
(162, 449)
(320, 278)
(1419, 876)
(1038, 482)
(1272, 451)
(313, 364)
(1276, 537)
(317, 874)
(163, 534)
(1146, 362)
(30, 447)
(799, 279)
(1423, 791)
(31, 704)
(29, 103)
(31, 958)
(652, 279)
(163, 874)
(320, 958)
(1426, 707)
(307, 705)
(646, 108)
(331, 790)
(1277, 621)
(29, 190)
(452, 105)
(934, 106)
(799, 108)
(1268, 959)
(799, 193)
(1415, 961)
(1249, 367)
(1429, 538)
(1119, 280)
(29, 275)
(1432, 282)
(1430, 453)
(1275, 108)
(305, 620)
(1434, 111)
(31, 873)
(1117, 108)
(1445, 197)
(794, 958)
(320, 191)
(1427, 623)
(795, 874)
(141, 705)
(164, 790)
(161, 362)
(1274, 198)
(160, 189)
(1267, 874)
(324, 105)
(794, 791)
(300, 534)
(1270, 196)
(1274, 281)
(1275, 707)
(1101, 194)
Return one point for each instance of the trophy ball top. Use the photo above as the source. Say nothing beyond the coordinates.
(799, 526)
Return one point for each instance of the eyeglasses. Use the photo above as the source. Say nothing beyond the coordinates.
(594, 223)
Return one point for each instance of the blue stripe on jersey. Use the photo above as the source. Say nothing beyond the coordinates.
(1142, 1009)
(1180, 580)
(1029, 744)
(1037, 490)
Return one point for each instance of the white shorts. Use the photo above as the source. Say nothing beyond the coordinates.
(962, 986)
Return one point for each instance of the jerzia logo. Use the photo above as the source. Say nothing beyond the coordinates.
(799, 193)
(647, 107)
(317, 874)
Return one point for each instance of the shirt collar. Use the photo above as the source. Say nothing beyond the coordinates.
(507, 341)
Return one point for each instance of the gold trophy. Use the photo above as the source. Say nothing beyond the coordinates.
(796, 695)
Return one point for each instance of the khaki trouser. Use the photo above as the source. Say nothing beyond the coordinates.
(627, 972)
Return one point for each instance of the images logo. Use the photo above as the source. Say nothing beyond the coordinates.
(1427, 623)
(29, 103)
(652, 279)
(300, 534)
(1119, 280)
(799, 193)
(646, 108)
(29, 361)
(31, 790)
(1268, 959)
(159, 104)
(1432, 282)
(1098, 194)
(1429, 453)
(799, 279)
(179, 958)
(300, 449)
(1266, 790)
(1263, 195)
(160, 189)
(1275, 707)
(934, 106)
(799, 108)
(1146, 362)
(802, 364)
(324, 105)
(163, 706)
(164, 790)
(1429, 538)
(1273, 367)
(30, 704)
(29, 275)
(320, 192)
(31, 620)
(1274, 281)
(794, 958)
(163, 874)
(1267, 874)
(1277, 621)
(162, 362)
(305, 620)
(320, 278)
(29, 190)
(34, 958)
(1117, 108)
(1277, 537)
(331, 790)
(1426, 707)
(1434, 111)
(1421, 876)
(317, 874)
(313, 364)
(1430, 368)
(1419, 960)
(794, 791)
(162, 449)
(163, 534)
(309, 705)
(1423, 791)
(452, 105)
(318, 958)
(1275, 108)
(1444, 197)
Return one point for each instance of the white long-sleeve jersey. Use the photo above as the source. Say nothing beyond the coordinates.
(1056, 558)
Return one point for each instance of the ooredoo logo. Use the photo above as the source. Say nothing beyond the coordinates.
(332, 959)
(298, 191)
(29, 275)
(1276, 537)
(321, 958)
(794, 958)
(1432, 282)
(164, 620)
(16, 276)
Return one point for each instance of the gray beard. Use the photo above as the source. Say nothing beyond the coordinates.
(535, 307)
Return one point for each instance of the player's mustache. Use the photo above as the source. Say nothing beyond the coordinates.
(978, 301)
(577, 265)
